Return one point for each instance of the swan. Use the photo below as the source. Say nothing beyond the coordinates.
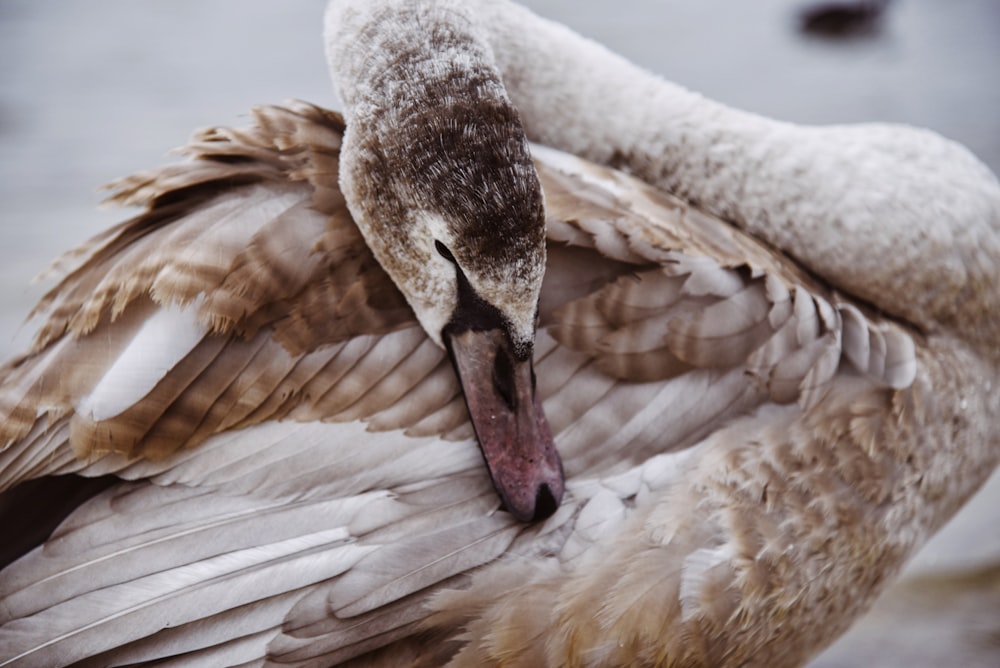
(766, 355)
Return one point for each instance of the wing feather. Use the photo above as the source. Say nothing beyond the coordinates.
(301, 479)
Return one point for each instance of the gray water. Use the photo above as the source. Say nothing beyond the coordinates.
(91, 90)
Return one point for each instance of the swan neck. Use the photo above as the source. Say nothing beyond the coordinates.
(898, 217)
(576, 95)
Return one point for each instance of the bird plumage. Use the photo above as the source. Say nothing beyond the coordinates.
(751, 452)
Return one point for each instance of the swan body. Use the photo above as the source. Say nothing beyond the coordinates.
(752, 448)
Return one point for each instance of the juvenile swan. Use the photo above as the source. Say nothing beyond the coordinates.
(768, 388)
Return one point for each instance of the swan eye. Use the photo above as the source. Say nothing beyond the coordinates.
(444, 252)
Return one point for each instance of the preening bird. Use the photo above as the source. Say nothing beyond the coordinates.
(765, 353)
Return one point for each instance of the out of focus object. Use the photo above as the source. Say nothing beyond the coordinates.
(843, 19)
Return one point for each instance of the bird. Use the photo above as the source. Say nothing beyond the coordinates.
(764, 352)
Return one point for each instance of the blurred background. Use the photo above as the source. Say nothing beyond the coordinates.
(91, 90)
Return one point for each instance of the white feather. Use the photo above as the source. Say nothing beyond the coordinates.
(162, 341)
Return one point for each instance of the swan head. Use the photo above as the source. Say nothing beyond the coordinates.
(437, 173)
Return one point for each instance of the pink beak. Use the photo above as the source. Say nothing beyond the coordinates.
(512, 430)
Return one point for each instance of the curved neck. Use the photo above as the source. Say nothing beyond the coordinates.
(575, 95)
(899, 217)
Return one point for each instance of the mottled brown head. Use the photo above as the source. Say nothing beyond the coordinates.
(436, 169)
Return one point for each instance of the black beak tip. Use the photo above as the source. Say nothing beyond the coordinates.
(546, 503)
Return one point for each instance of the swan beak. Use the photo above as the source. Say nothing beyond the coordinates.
(512, 430)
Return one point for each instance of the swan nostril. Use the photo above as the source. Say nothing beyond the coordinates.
(545, 503)
(503, 379)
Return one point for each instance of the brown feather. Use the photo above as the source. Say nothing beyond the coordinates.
(313, 408)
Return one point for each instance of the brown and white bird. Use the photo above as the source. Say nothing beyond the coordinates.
(767, 359)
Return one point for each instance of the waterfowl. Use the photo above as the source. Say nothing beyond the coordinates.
(764, 403)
